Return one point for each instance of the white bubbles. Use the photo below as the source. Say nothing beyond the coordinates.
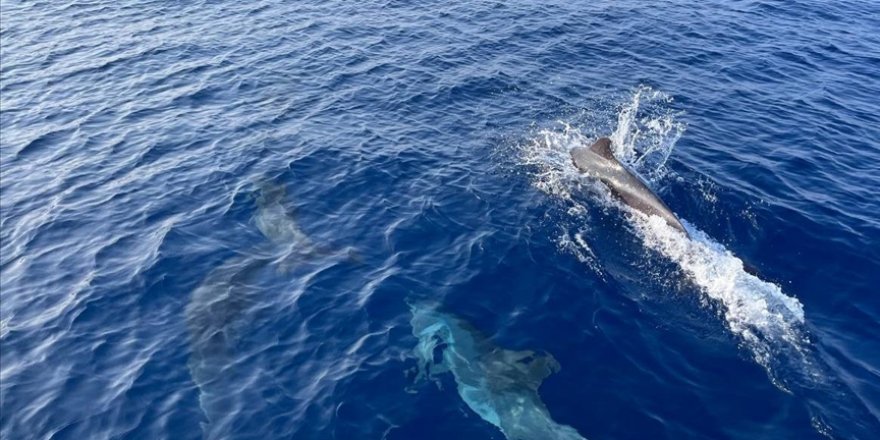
(757, 311)
(576, 244)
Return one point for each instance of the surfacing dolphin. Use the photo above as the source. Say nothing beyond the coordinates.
(500, 385)
(599, 162)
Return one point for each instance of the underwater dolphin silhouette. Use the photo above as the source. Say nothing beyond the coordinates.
(498, 384)
(598, 161)
(218, 310)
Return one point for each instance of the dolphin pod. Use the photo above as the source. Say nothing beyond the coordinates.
(500, 385)
(599, 162)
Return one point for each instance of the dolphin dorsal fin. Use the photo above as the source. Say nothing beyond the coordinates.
(602, 147)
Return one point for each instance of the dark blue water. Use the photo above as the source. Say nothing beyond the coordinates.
(358, 220)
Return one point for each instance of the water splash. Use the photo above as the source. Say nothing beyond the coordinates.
(576, 244)
(646, 132)
(768, 322)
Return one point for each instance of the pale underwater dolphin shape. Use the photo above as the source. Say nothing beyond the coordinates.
(218, 307)
(276, 221)
(214, 317)
(599, 162)
(500, 385)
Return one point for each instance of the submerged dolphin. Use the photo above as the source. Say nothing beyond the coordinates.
(598, 161)
(218, 310)
(274, 219)
(500, 385)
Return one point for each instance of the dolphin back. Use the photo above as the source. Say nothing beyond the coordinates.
(580, 158)
(583, 156)
(598, 161)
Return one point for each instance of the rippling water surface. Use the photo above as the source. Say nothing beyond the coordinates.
(359, 220)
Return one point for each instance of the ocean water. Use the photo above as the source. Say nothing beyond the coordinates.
(359, 220)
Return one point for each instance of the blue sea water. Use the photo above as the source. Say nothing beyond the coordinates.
(225, 220)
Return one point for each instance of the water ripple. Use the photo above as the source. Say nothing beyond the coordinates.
(136, 139)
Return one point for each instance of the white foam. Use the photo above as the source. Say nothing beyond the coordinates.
(755, 310)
